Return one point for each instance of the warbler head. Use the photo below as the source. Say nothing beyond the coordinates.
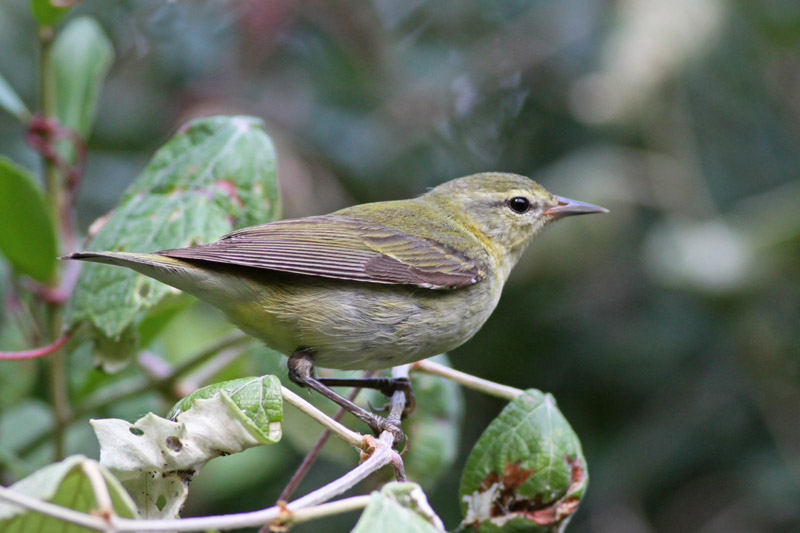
(505, 210)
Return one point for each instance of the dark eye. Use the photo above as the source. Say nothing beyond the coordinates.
(519, 204)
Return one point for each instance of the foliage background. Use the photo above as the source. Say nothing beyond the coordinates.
(668, 330)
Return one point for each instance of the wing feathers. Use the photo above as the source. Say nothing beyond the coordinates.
(342, 247)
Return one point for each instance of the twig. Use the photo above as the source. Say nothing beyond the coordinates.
(350, 436)
(326, 509)
(199, 524)
(312, 454)
(396, 408)
(36, 352)
(488, 387)
(381, 456)
(105, 507)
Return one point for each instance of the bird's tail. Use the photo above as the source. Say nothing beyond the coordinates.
(136, 261)
(175, 272)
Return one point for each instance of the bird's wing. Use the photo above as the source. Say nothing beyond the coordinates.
(342, 247)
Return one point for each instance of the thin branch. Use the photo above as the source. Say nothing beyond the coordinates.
(94, 522)
(381, 456)
(396, 407)
(351, 437)
(488, 387)
(36, 352)
(312, 454)
(344, 505)
(105, 507)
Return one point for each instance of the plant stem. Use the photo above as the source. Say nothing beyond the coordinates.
(47, 95)
(59, 396)
(273, 514)
(348, 435)
(37, 352)
(381, 456)
(468, 380)
(312, 454)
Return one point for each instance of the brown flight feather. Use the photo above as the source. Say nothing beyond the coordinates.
(342, 247)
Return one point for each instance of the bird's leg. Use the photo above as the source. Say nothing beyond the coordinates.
(301, 365)
(387, 386)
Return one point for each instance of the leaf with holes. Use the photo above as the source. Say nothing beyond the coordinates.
(155, 458)
(65, 483)
(399, 508)
(526, 472)
(215, 175)
(27, 234)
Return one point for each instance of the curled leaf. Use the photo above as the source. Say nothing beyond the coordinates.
(155, 458)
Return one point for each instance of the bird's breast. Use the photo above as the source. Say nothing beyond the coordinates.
(361, 326)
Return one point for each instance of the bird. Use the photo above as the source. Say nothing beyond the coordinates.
(370, 286)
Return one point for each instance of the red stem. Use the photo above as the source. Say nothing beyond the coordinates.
(37, 352)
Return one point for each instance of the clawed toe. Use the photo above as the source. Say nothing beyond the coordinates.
(384, 424)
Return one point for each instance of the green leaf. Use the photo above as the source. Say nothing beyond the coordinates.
(81, 57)
(66, 484)
(27, 234)
(399, 508)
(11, 102)
(215, 175)
(527, 471)
(155, 458)
(48, 12)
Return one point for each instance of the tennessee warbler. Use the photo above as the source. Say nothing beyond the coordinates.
(370, 286)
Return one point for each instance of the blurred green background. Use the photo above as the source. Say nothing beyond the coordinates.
(668, 330)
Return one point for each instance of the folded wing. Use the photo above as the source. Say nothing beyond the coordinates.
(342, 247)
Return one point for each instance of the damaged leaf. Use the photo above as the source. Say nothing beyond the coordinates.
(155, 458)
(527, 471)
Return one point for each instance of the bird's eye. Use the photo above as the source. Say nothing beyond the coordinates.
(519, 204)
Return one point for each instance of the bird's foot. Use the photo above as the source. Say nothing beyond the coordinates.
(379, 424)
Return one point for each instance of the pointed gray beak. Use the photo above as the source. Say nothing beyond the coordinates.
(567, 207)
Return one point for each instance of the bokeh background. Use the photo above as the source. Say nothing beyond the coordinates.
(668, 330)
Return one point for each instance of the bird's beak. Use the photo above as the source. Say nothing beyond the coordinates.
(566, 207)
